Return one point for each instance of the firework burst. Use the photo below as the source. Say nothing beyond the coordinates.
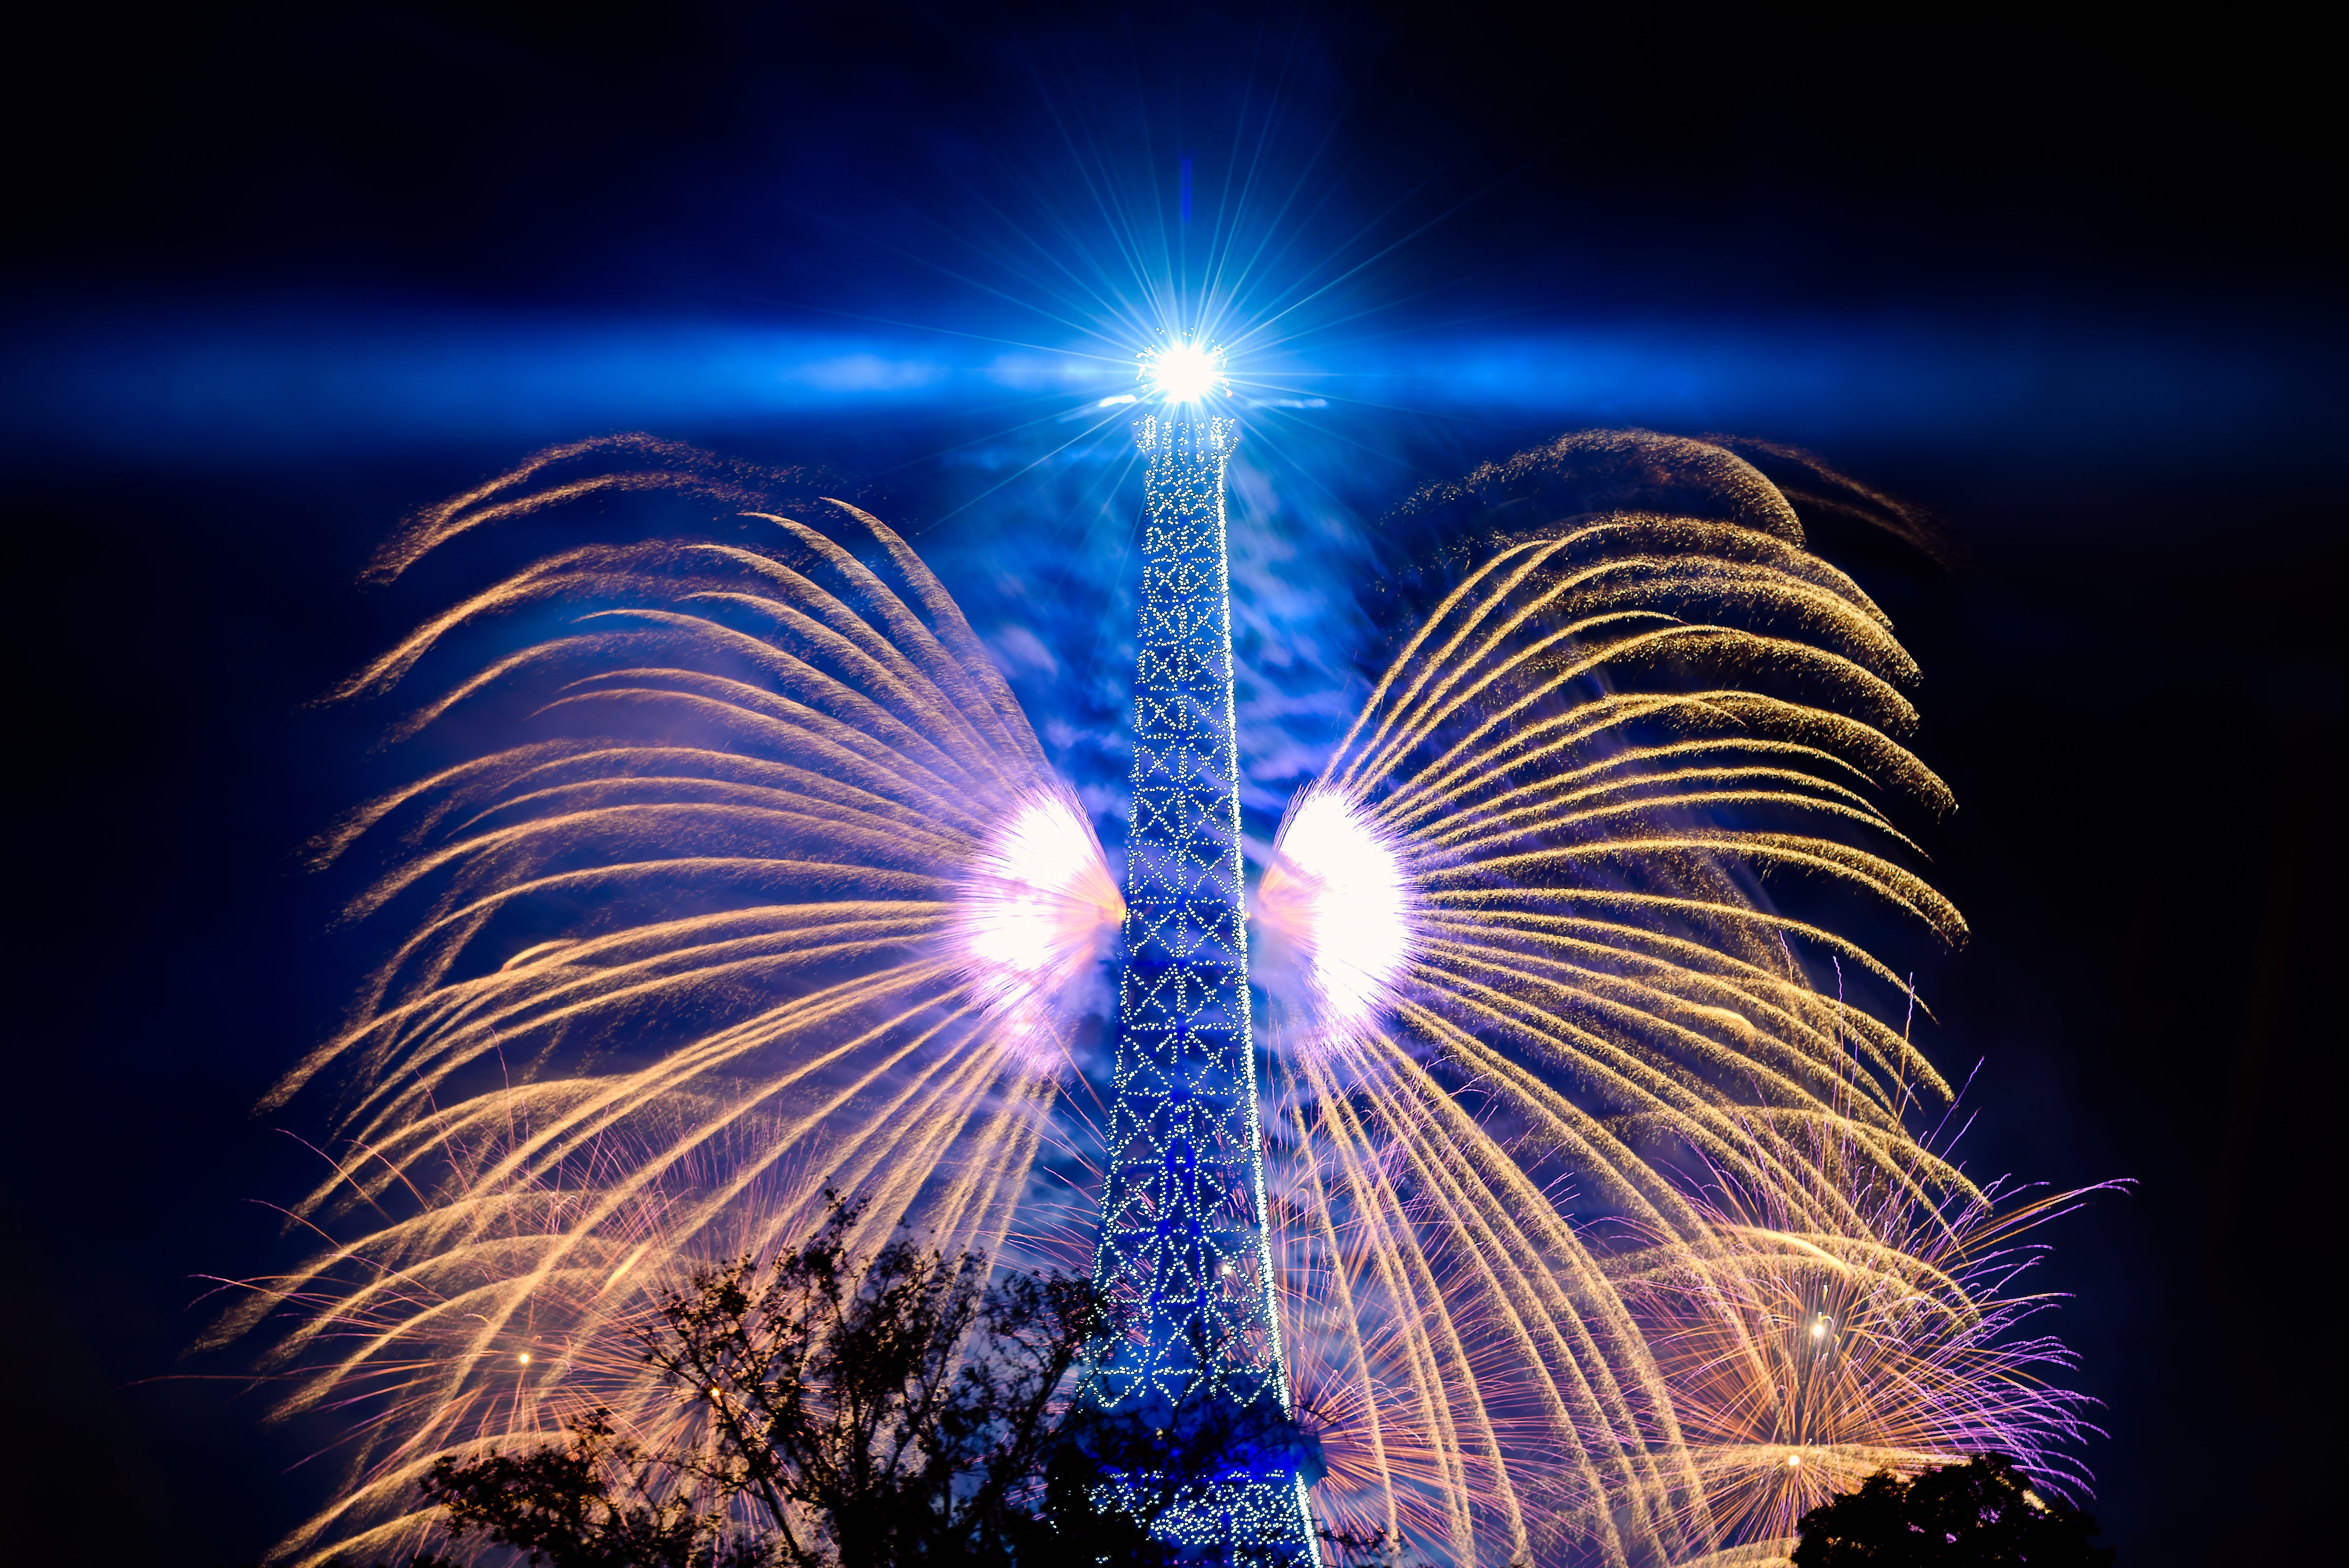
(1801, 1361)
(766, 887)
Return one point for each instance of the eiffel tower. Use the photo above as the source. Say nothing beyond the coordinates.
(1183, 1245)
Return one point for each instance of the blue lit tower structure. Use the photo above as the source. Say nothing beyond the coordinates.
(1183, 1212)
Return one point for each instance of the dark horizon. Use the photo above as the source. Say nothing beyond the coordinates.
(290, 276)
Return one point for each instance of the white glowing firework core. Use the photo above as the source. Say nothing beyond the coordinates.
(1183, 372)
(1337, 899)
(1035, 908)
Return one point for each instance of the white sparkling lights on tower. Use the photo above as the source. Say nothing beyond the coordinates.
(1183, 1245)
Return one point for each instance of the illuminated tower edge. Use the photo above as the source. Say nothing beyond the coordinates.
(1183, 1245)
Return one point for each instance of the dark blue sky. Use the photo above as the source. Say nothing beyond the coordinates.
(280, 276)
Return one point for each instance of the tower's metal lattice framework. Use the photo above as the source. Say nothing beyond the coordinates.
(1182, 1241)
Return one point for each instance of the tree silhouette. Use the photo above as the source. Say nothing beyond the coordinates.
(1981, 1512)
(865, 1413)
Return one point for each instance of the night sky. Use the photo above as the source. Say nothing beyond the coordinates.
(280, 276)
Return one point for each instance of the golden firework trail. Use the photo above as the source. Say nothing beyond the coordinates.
(1802, 1360)
(765, 887)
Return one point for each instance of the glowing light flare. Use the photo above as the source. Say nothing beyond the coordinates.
(1036, 909)
(1336, 912)
(1184, 372)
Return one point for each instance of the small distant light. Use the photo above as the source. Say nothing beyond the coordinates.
(1820, 1326)
(1794, 1461)
(713, 1390)
(525, 1358)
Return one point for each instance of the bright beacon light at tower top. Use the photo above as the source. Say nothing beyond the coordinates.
(1184, 372)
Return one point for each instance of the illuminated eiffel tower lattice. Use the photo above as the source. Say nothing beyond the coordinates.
(1183, 1246)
